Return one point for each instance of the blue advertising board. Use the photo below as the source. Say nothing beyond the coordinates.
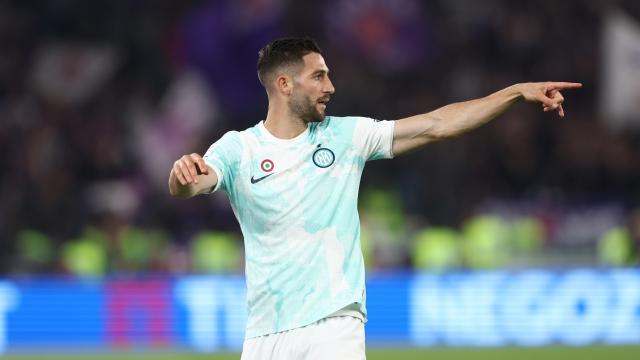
(208, 313)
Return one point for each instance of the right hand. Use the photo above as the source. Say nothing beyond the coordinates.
(188, 167)
(548, 93)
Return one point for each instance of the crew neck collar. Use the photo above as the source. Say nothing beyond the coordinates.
(292, 141)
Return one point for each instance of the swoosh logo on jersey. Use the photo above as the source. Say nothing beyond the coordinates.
(253, 181)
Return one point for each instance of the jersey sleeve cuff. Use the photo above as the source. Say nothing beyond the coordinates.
(218, 175)
(387, 138)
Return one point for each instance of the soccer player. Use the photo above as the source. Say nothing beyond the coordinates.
(293, 182)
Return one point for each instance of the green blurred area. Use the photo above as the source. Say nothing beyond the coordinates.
(510, 353)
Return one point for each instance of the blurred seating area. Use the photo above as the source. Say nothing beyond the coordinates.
(97, 99)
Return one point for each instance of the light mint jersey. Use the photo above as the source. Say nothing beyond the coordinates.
(296, 202)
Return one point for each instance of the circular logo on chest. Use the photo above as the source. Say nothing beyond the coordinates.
(323, 157)
(267, 165)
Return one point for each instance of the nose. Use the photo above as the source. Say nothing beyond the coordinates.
(328, 87)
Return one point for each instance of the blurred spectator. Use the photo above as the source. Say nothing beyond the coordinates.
(85, 257)
(528, 235)
(486, 242)
(615, 248)
(620, 246)
(634, 228)
(436, 249)
(385, 228)
(216, 252)
(142, 250)
(34, 253)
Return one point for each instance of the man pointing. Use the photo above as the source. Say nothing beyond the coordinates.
(293, 182)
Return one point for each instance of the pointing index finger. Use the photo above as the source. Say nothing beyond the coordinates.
(563, 85)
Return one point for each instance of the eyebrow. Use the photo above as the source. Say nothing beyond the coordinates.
(322, 71)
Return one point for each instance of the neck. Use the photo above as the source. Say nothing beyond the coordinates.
(282, 124)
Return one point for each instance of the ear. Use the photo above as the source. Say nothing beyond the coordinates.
(284, 84)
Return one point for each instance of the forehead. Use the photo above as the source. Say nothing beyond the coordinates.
(314, 62)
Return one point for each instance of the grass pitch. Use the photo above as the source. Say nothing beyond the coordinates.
(546, 353)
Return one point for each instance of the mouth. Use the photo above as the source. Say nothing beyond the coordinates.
(323, 103)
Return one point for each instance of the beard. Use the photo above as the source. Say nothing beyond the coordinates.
(305, 109)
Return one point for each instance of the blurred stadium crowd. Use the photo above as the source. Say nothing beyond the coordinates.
(98, 98)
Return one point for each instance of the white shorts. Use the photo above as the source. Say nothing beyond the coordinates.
(332, 338)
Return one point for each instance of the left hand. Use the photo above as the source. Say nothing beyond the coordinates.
(548, 93)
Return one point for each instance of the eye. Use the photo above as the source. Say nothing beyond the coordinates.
(316, 77)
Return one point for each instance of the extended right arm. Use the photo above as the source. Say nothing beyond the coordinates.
(191, 176)
(454, 120)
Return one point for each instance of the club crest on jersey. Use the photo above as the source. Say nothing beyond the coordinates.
(267, 165)
(323, 157)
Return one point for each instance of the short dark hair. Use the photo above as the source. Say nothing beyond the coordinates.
(284, 52)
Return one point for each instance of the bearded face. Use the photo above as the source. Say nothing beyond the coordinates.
(310, 90)
(306, 108)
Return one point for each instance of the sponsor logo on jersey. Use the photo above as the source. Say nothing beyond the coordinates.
(323, 157)
(267, 165)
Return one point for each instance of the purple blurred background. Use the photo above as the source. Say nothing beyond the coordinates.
(99, 98)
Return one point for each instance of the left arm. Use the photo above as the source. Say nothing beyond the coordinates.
(456, 119)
